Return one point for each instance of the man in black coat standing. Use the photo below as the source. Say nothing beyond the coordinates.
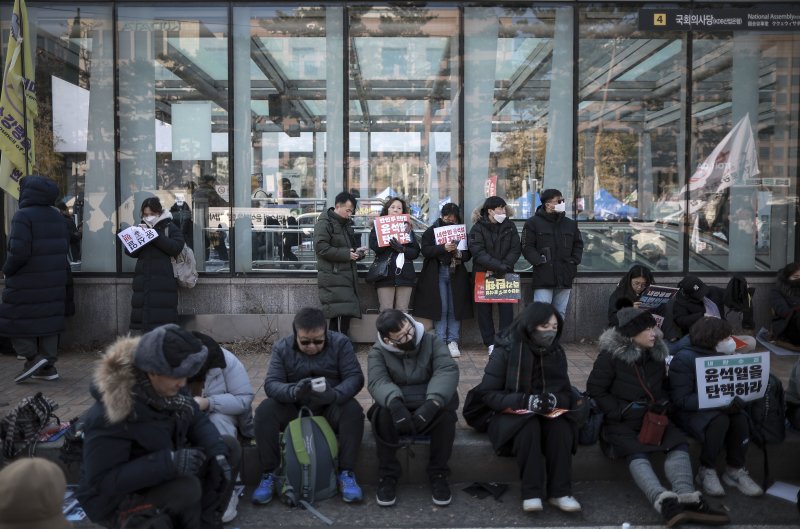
(32, 312)
(552, 244)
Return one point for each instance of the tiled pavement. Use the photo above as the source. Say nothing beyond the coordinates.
(71, 391)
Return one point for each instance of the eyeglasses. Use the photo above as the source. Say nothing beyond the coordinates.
(402, 339)
(306, 343)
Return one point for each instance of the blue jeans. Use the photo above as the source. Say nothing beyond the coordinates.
(558, 297)
(448, 328)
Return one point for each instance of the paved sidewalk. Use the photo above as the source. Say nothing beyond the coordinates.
(71, 390)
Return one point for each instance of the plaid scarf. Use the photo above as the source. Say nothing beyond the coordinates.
(178, 405)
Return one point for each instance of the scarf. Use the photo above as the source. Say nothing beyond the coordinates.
(179, 405)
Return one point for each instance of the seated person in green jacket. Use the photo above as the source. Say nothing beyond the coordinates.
(413, 379)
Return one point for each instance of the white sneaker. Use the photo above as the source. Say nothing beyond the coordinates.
(532, 505)
(739, 478)
(709, 481)
(565, 503)
(491, 348)
(454, 352)
(230, 511)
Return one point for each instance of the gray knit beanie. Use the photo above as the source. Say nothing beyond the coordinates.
(632, 321)
(170, 351)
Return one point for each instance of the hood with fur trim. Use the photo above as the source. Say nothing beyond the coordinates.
(115, 378)
(476, 213)
(623, 348)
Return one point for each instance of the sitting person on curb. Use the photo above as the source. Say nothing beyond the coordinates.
(223, 391)
(715, 428)
(311, 352)
(147, 446)
(784, 300)
(627, 380)
(413, 379)
(630, 287)
(528, 371)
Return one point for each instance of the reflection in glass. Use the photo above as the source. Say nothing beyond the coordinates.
(630, 142)
(173, 115)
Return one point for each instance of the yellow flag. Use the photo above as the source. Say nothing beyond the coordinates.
(18, 107)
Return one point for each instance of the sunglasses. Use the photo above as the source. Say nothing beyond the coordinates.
(305, 343)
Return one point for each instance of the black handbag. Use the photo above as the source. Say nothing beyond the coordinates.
(378, 270)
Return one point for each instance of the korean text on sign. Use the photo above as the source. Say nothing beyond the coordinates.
(721, 378)
(390, 227)
(445, 234)
(135, 237)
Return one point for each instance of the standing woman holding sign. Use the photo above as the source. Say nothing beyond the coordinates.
(155, 292)
(394, 290)
(494, 244)
(444, 289)
(716, 428)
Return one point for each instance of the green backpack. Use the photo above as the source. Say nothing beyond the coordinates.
(309, 460)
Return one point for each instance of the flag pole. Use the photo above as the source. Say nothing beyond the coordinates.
(25, 143)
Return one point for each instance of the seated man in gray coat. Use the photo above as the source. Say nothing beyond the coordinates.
(413, 379)
(311, 352)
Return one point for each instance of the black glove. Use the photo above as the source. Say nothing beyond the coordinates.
(403, 421)
(396, 246)
(222, 463)
(323, 398)
(188, 461)
(301, 390)
(541, 403)
(661, 407)
(510, 268)
(425, 414)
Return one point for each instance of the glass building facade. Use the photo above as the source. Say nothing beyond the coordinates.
(247, 118)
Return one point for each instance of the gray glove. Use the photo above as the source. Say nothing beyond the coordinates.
(222, 463)
(188, 461)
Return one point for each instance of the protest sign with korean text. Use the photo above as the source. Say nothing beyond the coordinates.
(721, 378)
(656, 295)
(390, 227)
(493, 289)
(134, 237)
(452, 233)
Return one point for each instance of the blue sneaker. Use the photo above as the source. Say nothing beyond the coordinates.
(263, 493)
(348, 487)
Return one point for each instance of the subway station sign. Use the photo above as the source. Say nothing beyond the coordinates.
(762, 18)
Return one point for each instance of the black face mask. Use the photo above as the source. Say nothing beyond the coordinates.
(543, 338)
(410, 345)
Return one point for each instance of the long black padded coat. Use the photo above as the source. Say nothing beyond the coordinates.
(36, 265)
(155, 291)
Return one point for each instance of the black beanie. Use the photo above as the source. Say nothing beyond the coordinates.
(632, 321)
(170, 351)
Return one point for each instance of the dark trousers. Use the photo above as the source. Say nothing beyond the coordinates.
(442, 431)
(791, 333)
(486, 319)
(191, 502)
(730, 432)
(271, 417)
(340, 324)
(544, 446)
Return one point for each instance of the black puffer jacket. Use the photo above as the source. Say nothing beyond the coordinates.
(615, 386)
(336, 362)
(784, 300)
(688, 308)
(428, 302)
(515, 371)
(407, 276)
(558, 238)
(155, 292)
(36, 264)
(493, 246)
(128, 443)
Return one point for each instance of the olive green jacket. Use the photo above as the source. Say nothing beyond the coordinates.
(337, 278)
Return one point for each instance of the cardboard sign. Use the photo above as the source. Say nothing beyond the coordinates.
(135, 237)
(445, 234)
(721, 378)
(390, 227)
(656, 295)
(497, 290)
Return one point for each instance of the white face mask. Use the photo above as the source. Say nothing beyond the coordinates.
(726, 346)
(150, 219)
(560, 207)
(499, 218)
